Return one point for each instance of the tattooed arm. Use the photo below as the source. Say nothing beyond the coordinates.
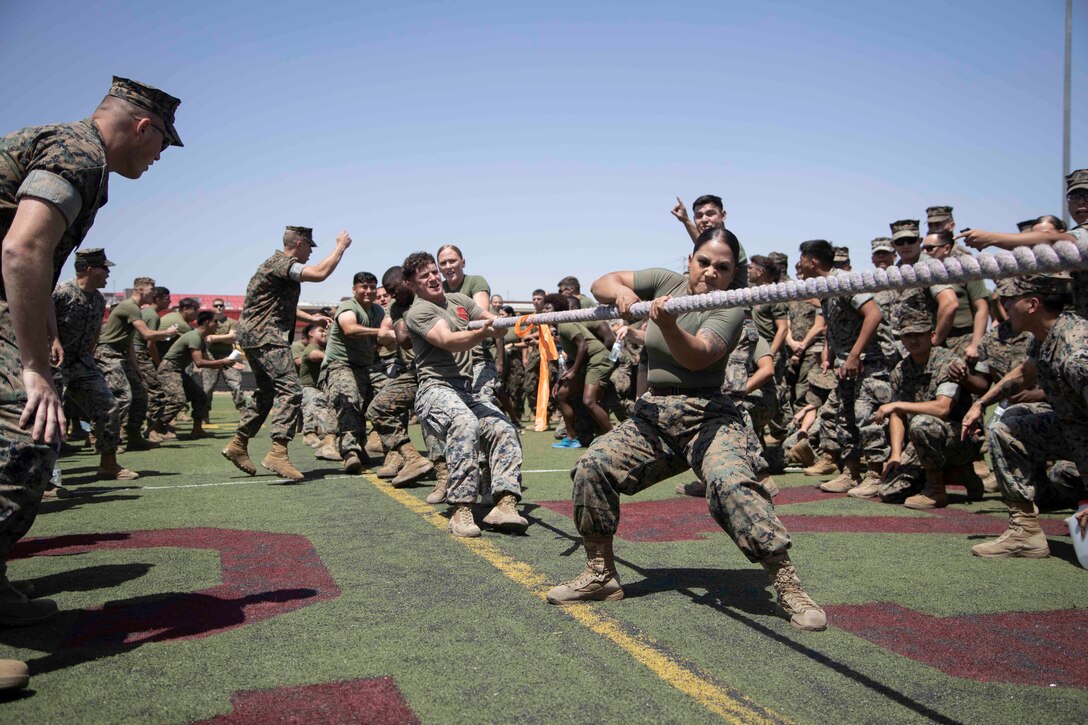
(1019, 378)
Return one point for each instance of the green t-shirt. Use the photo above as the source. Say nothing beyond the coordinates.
(150, 316)
(586, 302)
(180, 353)
(309, 370)
(595, 350)
(118, 330)
(470, 285)
(355, 351)
(396, 314)
(220, 350)
(171, 318)
(434, 363)
(764, 317)
(966, 295)
(296, 350)
(663, 368)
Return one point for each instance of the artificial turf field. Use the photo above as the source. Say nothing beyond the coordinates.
(198, 594)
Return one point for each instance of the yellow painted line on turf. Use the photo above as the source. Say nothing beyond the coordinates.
(731, 707)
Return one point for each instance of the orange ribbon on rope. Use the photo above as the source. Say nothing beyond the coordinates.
(548, 353)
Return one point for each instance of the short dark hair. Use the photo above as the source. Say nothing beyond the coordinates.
(539, 292)
(189, 303)
(159, 292)
(708, 199)
(508, 309)
(203, 318)
(561, 303)
(1055, 303)
(364, 278)
(572, 282)
(944, 235)
(719, 234)
(393, 275)
(773, 270)
(308, 329)
(820, 250)
(417, 261)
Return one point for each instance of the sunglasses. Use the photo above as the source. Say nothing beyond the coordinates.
(932, 247)
(904, 241)
(219, 305)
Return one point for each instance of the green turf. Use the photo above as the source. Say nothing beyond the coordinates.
(466, 644)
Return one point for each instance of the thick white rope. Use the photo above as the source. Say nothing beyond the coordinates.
(1040, 259)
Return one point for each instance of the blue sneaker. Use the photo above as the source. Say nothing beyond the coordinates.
(567, 443)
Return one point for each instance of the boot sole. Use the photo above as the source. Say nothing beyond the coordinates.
(611, 597)
(281, 474)
(252, 471)
(328, 458)
(1014, 555)
(407, 477)
(508, 527)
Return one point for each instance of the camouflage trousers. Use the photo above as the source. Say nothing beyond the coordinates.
(514, 380)
(209, 378)
(1024, 440)
(797, 378)
(623, 386)
(781, 412)
(751, 410)
(278, 392)
(665, 436)
(178, 390)
(348, 390)
(937, 443)
(467, 422)
(826, 437)
(391, 407)
(485, 377)
(126, 385)
(317, 417)
(86, 387)
(859, 436)
(25, 467)
(150, 376)
(957, 342)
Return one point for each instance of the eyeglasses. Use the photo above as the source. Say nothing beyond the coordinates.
(218, 304)
(160, 129)
(903, 241)
(932, 247)
(1077, 196)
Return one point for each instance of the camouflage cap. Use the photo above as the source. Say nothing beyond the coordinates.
(904, 228)
(912, 320)
(842, 254)
(882, 244)
(1026, 225)
(306, 233)
(93, 258)
(1034, 284)
(938, 214)
(160, 103)
(1077, 180)
(779, 258)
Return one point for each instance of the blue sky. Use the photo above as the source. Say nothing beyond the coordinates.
(553, 139)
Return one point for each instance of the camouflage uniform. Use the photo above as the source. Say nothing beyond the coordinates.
(936, 442)
(317, 417)
(1024, 440)
(79, 318)
(115, 359)
(859, 436)
(351, 375)
(145, 364)
(802, 314)
(758, 407)
(455, 410)
(391, 407)
(64, 164)
(209, 377)
(689, 427)
(1079, 278)
(178, 389)
(265, 330)
(959, 337)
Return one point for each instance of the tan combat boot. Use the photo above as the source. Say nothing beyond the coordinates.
(1024, 538)
(14, 675)
(374, 445)
(598, 582)
(764, 479)
(505, 516)
(110, 469)
(801, 454)
(327, 450)
(278, 462)
(391, 466)
(237, 452)
(870, 485)
(848, 479)
(312, 440)
(442, 481)
(804, 613)
(461, 522)
(415, 466)
(352, 463)
(825, 465)
(933, 496)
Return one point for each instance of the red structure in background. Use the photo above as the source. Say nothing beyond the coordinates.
(234, 302)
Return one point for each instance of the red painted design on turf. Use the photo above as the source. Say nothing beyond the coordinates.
(375, 701)
(686, 519)
(264, 575)
(1027, 648)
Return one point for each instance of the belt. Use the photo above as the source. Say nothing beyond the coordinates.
(691, 392)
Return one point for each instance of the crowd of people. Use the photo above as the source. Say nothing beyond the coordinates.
(883, 392)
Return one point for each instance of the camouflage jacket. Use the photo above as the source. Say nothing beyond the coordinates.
(79, 318)
(1061, 363)
(844, 321)
(268, 314)
(64, 164)
(1001, 350)
(922, 298)
(802, 315)
(1080, 278)
(742, 360)
(913, 384)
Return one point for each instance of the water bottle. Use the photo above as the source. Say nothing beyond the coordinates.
(1080, 536)
(562, 363)
(54, 480)
(614, 356)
